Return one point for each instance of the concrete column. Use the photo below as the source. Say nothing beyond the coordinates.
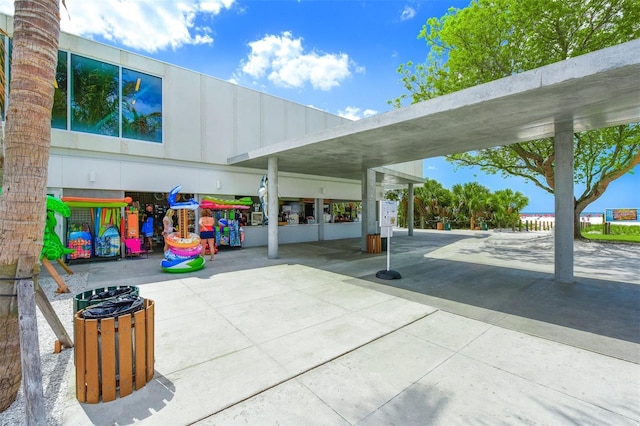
(319, 207)
(272, 208)
(368, 187)
(564, 201)
(410, 210)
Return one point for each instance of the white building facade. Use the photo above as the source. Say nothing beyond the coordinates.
(158, 125)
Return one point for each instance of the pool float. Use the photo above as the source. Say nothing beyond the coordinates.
(171, 256)
(186, 252)
(127, 200)
(244, 201)
(207, 204)
(174, 240)
(182, 253)
(189, 204)
(97, 202)
(179, 266)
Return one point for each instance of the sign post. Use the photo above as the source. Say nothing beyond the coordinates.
(389, 217)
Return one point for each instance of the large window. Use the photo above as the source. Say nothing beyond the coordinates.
(59, 112)
(97, 98)
(94, 96)
(141, 106)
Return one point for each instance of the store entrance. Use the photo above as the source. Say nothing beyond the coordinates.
(154, 203)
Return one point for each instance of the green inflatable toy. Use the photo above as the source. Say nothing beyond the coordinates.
(52, 247)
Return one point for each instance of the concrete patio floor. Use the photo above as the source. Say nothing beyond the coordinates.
(475, 331)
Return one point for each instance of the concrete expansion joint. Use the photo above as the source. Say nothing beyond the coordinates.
(328, 361)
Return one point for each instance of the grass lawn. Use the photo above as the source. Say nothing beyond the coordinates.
(624, 238)
(624, 233)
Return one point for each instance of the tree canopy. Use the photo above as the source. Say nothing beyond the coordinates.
(465, 205)
(491, 39)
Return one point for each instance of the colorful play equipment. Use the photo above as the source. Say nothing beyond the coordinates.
(213, 203)
(106, 221)
(180, 266)
(175, 239)
(184, 246)
(97, 202)
(186, 252)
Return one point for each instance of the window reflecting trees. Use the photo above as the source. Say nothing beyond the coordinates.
(141, 106)
(95, 96)
(60, 96)
(106, 99)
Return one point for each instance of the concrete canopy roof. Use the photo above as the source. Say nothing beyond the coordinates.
(596, 90)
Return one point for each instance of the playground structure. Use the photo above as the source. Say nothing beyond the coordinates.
(184, 246)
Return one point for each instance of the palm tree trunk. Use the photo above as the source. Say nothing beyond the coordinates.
(23, 199)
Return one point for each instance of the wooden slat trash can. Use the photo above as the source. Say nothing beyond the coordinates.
(97, 295)
(113, 355)
(374, 244)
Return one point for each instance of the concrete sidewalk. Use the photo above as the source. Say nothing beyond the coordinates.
(315, 338)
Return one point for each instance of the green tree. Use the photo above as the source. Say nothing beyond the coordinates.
(431, 202)
(505, 207)
(491, 39)
(471, 201)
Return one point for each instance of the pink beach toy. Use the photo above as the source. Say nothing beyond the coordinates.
(186, 252)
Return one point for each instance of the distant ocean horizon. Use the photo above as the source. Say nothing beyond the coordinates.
(628, 216)
(551, 214)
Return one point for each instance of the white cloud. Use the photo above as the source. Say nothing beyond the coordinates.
(282, 59)
(355, 113)
(408, 13)
(146, 25)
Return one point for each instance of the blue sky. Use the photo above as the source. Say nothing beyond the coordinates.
(340, 56)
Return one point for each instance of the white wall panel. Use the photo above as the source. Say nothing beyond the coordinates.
(143, 64)
(296, 120)
(248, 116)
(218, 120)
(315, 122)
(274, 120)
(414, 168)
(54, 175)
(89, 49)
(182, 112)
(313, 188)
(89, 173)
